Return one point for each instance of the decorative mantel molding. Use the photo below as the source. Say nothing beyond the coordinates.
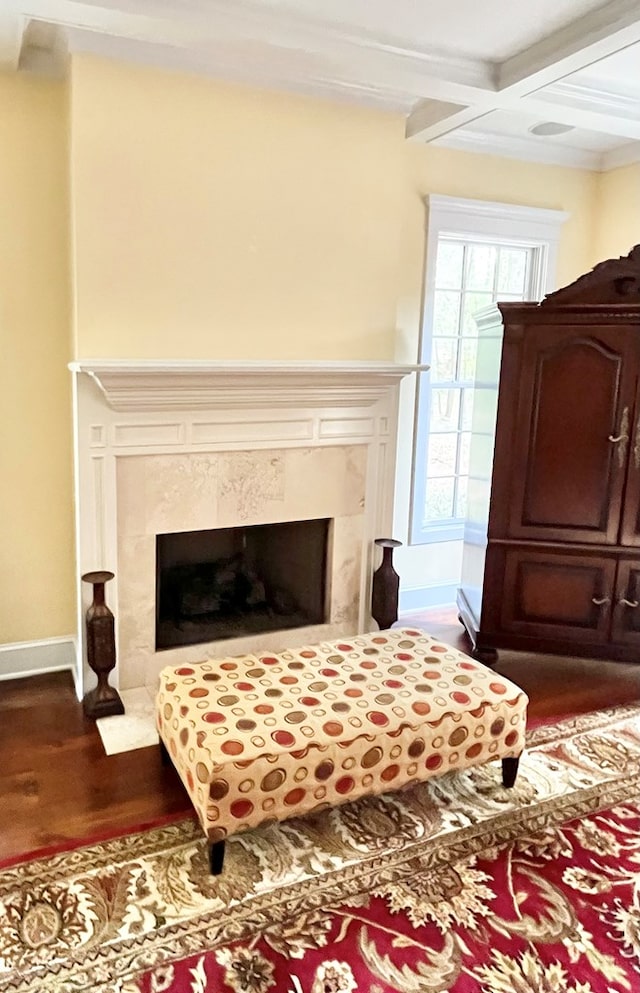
(197, 384)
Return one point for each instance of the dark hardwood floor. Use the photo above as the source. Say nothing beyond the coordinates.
(56, 783)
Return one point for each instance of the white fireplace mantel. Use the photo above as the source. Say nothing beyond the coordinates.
(163, 446)
(173, 384)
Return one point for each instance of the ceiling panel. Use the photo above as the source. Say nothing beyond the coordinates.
(517, 125)
(486, 29)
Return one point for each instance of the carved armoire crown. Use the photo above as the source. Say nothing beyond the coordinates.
(557, 569)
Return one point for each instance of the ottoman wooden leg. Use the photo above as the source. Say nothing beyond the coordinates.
(509, 771)
(216, 857)
(165, 758)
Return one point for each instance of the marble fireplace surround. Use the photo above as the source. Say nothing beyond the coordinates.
(186, 446)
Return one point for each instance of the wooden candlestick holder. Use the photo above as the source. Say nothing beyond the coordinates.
(104, 700)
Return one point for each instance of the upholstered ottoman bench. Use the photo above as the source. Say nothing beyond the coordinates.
(260, 738)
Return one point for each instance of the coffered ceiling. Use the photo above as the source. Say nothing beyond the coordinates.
(473, 74)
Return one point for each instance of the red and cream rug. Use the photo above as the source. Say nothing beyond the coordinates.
(454, 885)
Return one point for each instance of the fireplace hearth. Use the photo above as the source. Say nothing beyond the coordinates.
(229, 582)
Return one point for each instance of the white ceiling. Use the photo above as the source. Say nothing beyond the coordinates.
(466, 27)
(475, 74)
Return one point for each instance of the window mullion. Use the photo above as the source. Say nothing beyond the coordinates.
(461, 312)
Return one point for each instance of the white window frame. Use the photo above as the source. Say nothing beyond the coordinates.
(533, 227)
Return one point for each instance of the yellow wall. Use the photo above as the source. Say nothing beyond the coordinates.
(617, 212)
(209, 221)
(215, 220)
(36, 506)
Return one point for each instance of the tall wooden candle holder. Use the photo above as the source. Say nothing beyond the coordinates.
(386, 583)
(104, 700)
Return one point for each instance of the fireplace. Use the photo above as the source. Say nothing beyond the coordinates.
(229, 582)
(180, 448)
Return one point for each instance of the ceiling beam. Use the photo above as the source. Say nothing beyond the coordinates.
(435, 118)
(422, 125)
(598, 34)
(12, 28)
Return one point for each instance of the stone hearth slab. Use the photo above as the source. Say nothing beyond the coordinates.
(135, 728)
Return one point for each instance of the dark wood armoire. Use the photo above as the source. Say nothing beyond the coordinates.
(551, 559)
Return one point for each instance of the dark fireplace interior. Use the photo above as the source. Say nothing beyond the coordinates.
(230, 582)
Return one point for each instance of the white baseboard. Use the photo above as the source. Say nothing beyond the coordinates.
(32, 658)
(423, 597)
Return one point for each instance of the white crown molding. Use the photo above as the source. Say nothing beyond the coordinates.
(326, 64)
(221, 25)
(170, 385)
(589, 93)
(623, 156)
(268, 73)
(525, 149)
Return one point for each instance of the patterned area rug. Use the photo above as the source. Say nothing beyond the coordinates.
(552, 912)
(455, 884)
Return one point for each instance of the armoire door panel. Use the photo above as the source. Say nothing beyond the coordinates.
(625, 627)
(572, 434)
(550, 595)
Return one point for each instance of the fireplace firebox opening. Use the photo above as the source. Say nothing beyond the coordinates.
(229, 582)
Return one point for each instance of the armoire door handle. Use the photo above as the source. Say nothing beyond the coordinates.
(628, 603)
(601, 600)
(636, 445)
(622, 438)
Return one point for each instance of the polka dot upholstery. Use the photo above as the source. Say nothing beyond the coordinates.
(265, 737)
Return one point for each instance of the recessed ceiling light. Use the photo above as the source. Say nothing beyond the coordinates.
(547, 128)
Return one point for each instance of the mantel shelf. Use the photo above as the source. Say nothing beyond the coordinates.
(167, 385)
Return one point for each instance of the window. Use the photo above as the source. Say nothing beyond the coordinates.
(477, 253)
